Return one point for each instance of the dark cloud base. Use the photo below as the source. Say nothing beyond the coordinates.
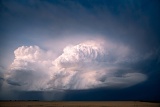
(148, 91)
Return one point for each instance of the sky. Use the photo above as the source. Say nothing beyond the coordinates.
(80, 50)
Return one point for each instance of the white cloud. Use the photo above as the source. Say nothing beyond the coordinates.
(30, 68)
(90, 64)
(29, 56)
(74, 56)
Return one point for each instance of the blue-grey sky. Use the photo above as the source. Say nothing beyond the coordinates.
(87, 49)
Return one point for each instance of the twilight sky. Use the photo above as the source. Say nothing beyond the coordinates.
(79, 50)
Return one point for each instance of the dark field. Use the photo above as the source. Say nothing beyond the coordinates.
(78, 104)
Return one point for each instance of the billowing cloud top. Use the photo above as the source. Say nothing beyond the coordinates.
(91, 64)
(26, 56)
(74, 56)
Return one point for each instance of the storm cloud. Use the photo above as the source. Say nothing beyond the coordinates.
(88, 65)
(79, 45)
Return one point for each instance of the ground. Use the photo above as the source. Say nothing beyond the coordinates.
(78, 104)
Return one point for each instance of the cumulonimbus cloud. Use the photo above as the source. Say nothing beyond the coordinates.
(74, 56)
(91, 64)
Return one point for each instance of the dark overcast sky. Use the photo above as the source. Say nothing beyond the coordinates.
(45, 23)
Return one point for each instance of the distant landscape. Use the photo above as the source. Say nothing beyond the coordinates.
(78, 104)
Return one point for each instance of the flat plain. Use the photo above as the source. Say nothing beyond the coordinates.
(78, 104)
